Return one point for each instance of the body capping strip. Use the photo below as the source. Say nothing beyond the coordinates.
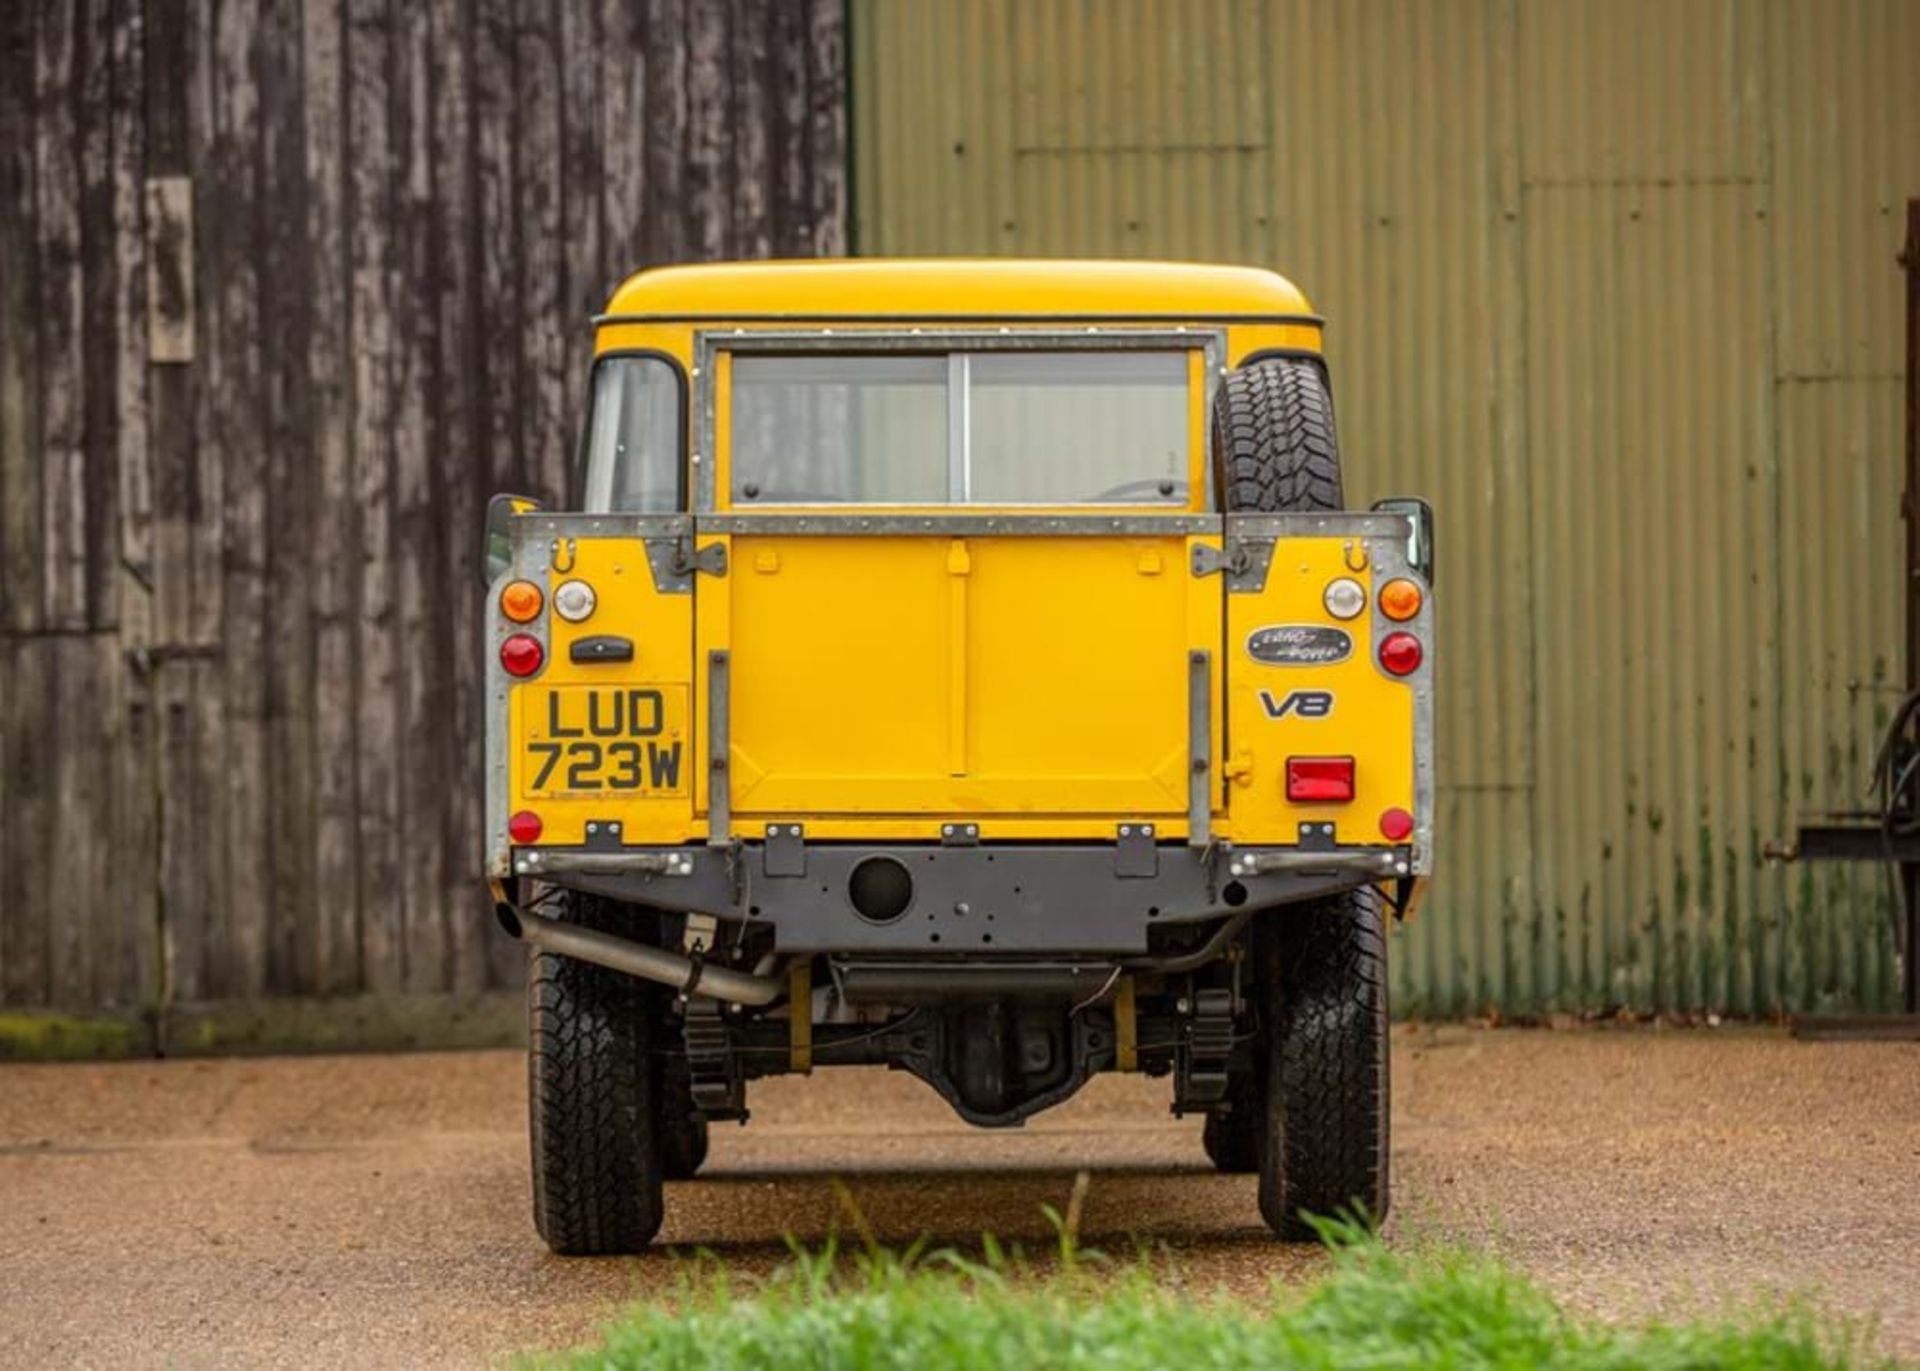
(1002, 321)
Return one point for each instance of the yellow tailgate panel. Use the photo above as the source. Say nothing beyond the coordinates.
(908, 675)
(1370, 715)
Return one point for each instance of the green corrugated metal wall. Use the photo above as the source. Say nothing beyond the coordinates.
(1613, 283)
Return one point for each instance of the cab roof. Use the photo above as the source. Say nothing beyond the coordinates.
(957, 288)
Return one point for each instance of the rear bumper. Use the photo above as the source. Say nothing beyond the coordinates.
(984, 898)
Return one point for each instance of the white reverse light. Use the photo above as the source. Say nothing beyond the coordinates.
(574, 600)
(1345, 598)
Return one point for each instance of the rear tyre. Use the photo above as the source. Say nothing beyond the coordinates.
(593, 1087)
(1274, 449)
(1274, 445)
(1325, 1144)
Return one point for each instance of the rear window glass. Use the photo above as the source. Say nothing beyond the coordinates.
(633, 437)
(1107, 427)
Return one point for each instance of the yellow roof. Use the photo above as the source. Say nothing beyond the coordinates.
(958, 288)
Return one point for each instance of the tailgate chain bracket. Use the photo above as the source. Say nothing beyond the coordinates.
(786, 851)
(1134, 855)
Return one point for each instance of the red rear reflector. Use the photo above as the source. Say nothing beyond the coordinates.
(521, 654)
(1400, 653)
(1319, 778)
(524, 827)
(1396, 825)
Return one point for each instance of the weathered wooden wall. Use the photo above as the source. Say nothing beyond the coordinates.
(286, 289)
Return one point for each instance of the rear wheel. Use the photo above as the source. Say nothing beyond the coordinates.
(1274, 445)
(593, 1106)
(1274, 451)
(1324, 1148)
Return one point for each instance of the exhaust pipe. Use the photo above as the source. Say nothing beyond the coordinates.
(635, 959)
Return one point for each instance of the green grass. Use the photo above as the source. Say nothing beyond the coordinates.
(1376, 1308)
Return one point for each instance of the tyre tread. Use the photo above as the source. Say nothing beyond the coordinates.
(1275, 449)
(591, 1106)
(1327, 1139)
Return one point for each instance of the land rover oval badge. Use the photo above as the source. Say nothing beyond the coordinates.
(1299, 644)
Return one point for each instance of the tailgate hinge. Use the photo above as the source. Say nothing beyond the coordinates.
(1211, 561)
(711, 559)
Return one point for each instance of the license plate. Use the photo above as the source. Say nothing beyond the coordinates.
(592, 739)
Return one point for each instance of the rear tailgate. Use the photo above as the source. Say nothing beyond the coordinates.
(965, 665)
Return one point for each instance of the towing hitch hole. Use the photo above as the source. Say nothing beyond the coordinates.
(880, 888)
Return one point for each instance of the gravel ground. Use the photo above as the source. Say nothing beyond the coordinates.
(374, 1209)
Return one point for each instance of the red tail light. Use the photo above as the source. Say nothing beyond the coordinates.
(1396, 825)
(525, 827)
(521, 654)
(1319, 778)
(1400, 653)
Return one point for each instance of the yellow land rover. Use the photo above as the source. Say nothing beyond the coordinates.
(968, 667)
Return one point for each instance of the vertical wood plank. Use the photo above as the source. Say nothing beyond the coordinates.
(75, 80)
(827, 119)
(750, 111)
(186, 693)
(498, 295)
(21, 553)
(100, 323)
(369, 227)
(623, 136)
(459, 448)
(58, 131)
(206, 458)
(328, 380)
(174, 59)
(583, 187)
(19, 481)
(28, 754)
(198, 801)
(666, 58)
(288, 463)
(169, 269)
(233, 429)
(788, 164)
(422, 640)
(84, 732)
(134, 864)
(709, 133)
(544, 251)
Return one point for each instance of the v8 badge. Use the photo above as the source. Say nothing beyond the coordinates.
(1302, 704)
